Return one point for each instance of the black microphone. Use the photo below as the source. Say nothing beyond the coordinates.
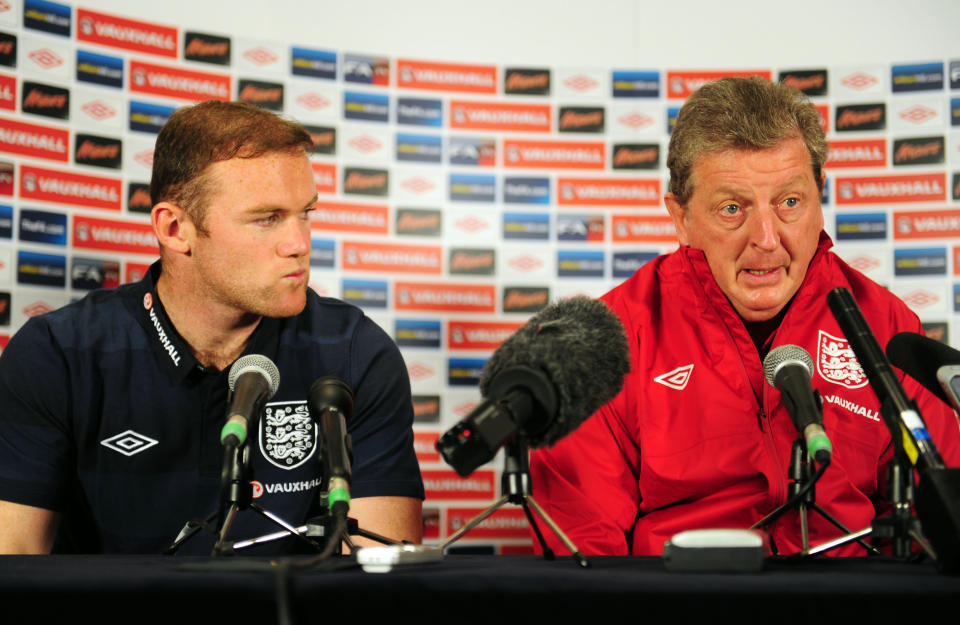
(905, 421)
(543, 381)
(331, 403)
(789, 368)
(253, 380)
(931, 363)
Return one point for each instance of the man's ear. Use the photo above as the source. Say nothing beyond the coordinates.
(175, 231)
(679, 215)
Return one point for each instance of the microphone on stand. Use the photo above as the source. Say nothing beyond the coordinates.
(789, 368)
(331, 403)
(543, 382)
(253, 380)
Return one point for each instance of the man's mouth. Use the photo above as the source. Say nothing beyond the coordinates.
(761, 272)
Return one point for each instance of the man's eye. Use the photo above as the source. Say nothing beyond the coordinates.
(791, 202)
(730, 209)
(269, 220)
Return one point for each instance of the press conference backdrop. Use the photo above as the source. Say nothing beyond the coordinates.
(462, 185)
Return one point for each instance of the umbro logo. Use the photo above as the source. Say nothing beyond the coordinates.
(677, 378)
(128, 443)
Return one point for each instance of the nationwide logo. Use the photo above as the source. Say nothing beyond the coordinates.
(99, 69)
(581, 119)
(526, 81)
(837, 363)
(8, 92)
(636, 156)
(366, 106)
(369, 70)
(853, 226)
(138, 197)
(917, 114)
(608, 192)
(113, 235)
(676, 379)
(643, 228)
(97, 151)
(383, 257)
(525, 299)
(69, 188)
(444, 484)
(918, 151)
(33, 140)
(936, 224)
(479, 334)
(313, 63)
(444, 297)
(418, 222)
(534, 226)
(179, 83)
(42, 15)
(554, 154)
(500, 116)
(426, 409)
(464, 371)
(921, 77)
(480, 262)
(324, 139)
(853, 117)
(206, 48)
(472, 188)
(859, 81)
(325, 177)
(148, 117)
(363, 181)
(681, 84)
(417, 333)
(41, 269)
(419, 148)
(583, 264)
(810, 81)
(446, 76)
(344, 217)
(627, 84)
(886, 189)
(857, 153)
(266, 95)
(471, 151)
(45, 100)
(930, 261)
(365, 293)
(118, 32)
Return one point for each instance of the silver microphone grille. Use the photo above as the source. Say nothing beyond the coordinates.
(255, 363)
(782, 355)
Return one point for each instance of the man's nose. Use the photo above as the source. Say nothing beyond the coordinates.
(764, 229)
(296, 238)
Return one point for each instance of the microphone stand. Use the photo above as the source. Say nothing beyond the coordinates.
(516, 488)
(802, 497)
(236, 495)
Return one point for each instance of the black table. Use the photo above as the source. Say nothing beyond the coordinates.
(467, 589)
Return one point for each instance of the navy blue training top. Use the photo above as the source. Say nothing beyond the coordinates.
(106, 416)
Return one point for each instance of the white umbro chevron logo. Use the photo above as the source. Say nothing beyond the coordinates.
(677, 378)
(128, 443)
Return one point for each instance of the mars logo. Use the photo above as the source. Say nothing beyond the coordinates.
(836, 362)
(288, 435)
(676, 379)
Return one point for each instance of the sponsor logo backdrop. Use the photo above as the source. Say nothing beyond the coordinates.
(455, 199)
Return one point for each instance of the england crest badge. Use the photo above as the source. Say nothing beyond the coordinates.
(288, 435)
(837, 363)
